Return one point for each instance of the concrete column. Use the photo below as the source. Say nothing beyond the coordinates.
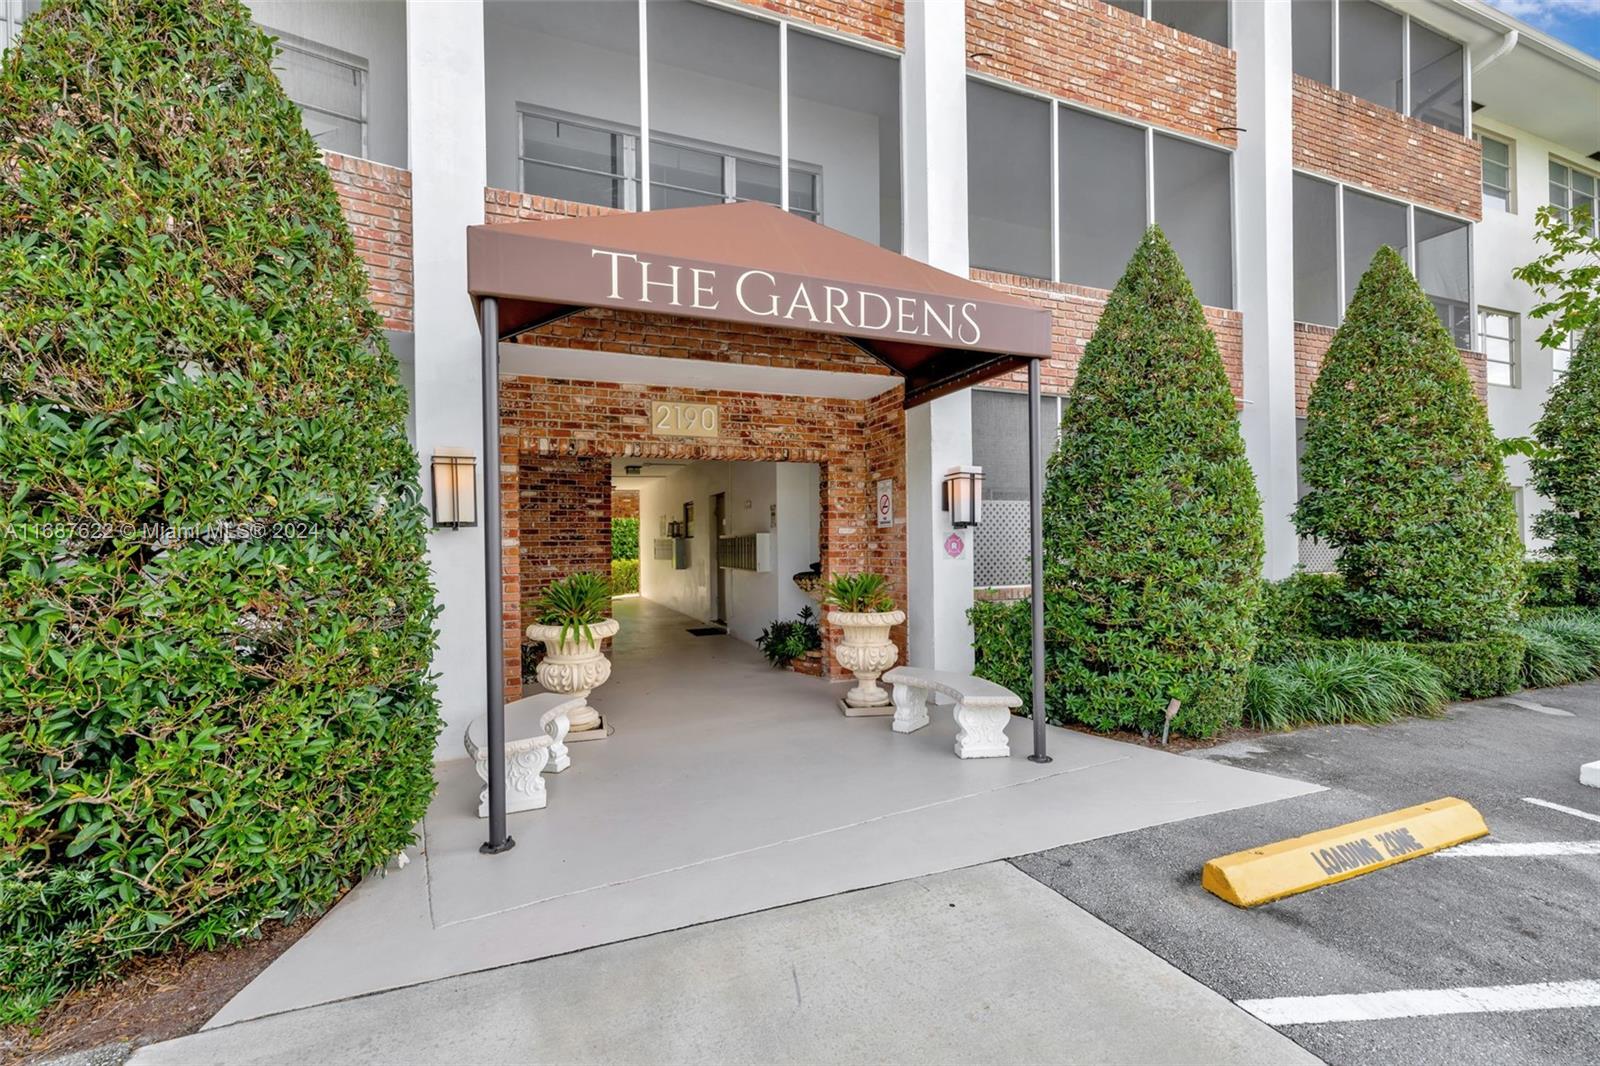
(939, 434)
(445, 120)
(1264, 222)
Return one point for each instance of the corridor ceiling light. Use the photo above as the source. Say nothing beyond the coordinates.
(455, 488)
(963, 495)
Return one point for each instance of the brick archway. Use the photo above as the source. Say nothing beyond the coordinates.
(558, 438)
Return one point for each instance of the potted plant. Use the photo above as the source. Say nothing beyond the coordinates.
(570, 619)
(863, 610)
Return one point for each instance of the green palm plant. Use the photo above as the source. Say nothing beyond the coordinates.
(575, 603)
(859, 593)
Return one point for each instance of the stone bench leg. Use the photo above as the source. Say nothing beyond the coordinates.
(557, 727)
(524, 787)
(910, 708)
(981, 732)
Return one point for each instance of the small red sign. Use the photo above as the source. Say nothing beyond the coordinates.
(954, 545)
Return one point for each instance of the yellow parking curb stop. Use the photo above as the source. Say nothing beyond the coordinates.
(1261, 875)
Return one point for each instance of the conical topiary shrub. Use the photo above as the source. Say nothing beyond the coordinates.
(1569, 474)
(1405, 478)
(218, 617)
(1153, 532)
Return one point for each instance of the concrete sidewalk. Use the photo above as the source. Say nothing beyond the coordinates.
(976, 965)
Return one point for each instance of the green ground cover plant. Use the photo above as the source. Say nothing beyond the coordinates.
(624, 576)
(1563, 648)
(786, 639)
(1404, 473)
(1153, 530)
(218, 615)
(1359, 683)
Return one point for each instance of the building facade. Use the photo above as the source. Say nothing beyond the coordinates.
(1024, 144)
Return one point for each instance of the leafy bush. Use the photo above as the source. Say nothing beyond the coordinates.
(1002, 642)
(624, 538)
(1473, 669)
(1404, 473)
(218, 612)
(575, 603)
(858, 593)
(1549, 583)
(1303, 603)
(1153, 533)
(1562, 648)
(624, 576)
(1369, 683)
(784, 641)
(1569, 473)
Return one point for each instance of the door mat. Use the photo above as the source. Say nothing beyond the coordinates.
(708, 631)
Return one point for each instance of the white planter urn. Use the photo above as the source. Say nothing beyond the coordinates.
(574, 666)
(866, 651)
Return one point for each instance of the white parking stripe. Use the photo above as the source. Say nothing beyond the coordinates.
(1536, 847)
(1421, 1002)
(1564, 810)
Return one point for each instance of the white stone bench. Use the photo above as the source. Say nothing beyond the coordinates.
(536, 732)
(982, 710)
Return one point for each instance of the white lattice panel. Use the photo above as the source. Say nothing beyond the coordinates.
(1318, 556)
(1000, 553)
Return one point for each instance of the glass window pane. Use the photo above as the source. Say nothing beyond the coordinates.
(713, 79)
(1316, 252)
(578, 58)
(803, 193)
(574, 185)
(757, 181)
(844, 120)
(1102, 193)
(1008, 181)
(1370, 52)
(1206, 19)
(1194, 201)
(1438, 80)
(1312, 29)
(1000, 440)
(1132, 7)
(1445, 270)
(570, 144)
(1369, 224)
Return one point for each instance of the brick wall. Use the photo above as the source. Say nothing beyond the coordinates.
(564, 520)
(1311, 346)
(1075, 310)
(1085, 51)
(377, 205)
(576, 427)
(624, 503)
(883, 21)
(1347, 138)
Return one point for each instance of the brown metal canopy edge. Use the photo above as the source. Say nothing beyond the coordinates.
(752, 263)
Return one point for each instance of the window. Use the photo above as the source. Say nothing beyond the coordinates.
(1443, 264)
(1102, 196)
(1369, 224)
(330, 88)
(1497, 336)
(1361, 47)
(582, 160)
(1561, 355)
(12, 12)
(1571, 189)
(1008, 181)
(1206, 19)
(1496, 172)
(1316, 251)
(1193, 204)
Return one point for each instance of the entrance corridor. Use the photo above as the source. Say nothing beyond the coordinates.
(727, 787)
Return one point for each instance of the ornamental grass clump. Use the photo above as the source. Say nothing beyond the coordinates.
(1367, 684)
(1153, 532)
(1562, 648)
(218, 614)
(1404, 474)
(1568, 471)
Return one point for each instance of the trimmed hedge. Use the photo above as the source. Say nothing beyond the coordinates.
(1152, 525)
(624, 538)
(1405, 476)
(624, 576)
(1568, 472)
(1473, 669)
(1549, 583)
(219, 618)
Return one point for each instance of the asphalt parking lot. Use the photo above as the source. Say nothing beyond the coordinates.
(1496, 916)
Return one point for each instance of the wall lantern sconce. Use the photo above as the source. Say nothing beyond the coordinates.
(455, 489)
(963, 495)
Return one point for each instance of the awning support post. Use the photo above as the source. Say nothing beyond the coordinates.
(494, 662)
(1036, 547)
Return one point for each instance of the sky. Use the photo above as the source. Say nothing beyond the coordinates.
(1576, 22)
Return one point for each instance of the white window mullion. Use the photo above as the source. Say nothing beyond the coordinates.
(730, 178)
(644, 106)
(783, 115)
(1055, 192)
(1149, 176)
(1405, 65)
(1338, 237)
(1411, 237)
(1334, 51)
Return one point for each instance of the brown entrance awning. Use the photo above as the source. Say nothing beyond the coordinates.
(751, 262)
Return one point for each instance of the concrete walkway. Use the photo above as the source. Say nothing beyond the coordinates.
(976, 965)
